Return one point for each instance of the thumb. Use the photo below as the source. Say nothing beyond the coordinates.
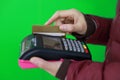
(51, 67)
(67, 27)
(38, 62)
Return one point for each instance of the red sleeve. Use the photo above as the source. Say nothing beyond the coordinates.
(88, 70)
(101, 34)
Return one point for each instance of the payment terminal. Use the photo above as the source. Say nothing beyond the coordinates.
(51, 48)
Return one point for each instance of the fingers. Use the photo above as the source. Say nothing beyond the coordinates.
(58, 22)
(51, 67)
(59, 14)
(73, 21)
(67, 27)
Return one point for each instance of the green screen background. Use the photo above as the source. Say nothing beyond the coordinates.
(16, 20)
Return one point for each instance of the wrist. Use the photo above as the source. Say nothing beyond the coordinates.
(81, 25)
(90, 28)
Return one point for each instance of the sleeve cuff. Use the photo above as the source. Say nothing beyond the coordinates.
(63, 69)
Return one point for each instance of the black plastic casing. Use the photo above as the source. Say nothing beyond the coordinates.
(37, 50)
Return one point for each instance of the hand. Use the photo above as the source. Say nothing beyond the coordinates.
(51, 67)
(63, 19)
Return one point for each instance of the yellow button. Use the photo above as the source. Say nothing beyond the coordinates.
(84, 46)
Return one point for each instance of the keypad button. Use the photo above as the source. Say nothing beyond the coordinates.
(81, 47)
(65, 44)
(86, 51)
(69, 45)
(73, 45)
(77, 46)
(84, 46)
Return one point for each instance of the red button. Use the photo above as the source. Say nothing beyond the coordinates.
(86, 50)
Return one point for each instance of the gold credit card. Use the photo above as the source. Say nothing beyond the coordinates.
(47, 30)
